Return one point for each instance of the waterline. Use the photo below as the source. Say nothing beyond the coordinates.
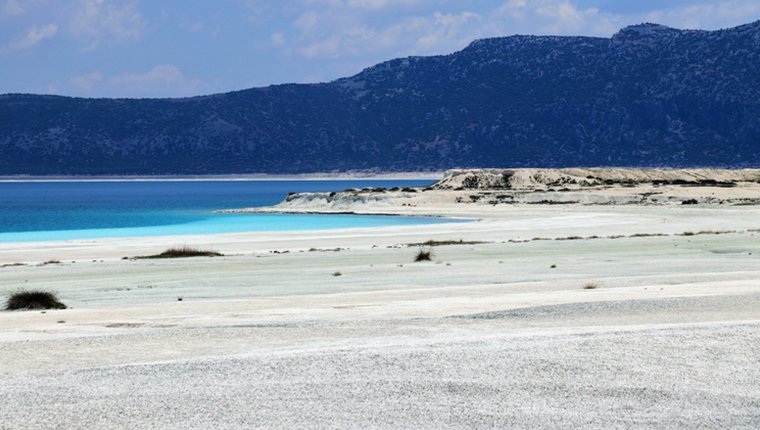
(225, 223)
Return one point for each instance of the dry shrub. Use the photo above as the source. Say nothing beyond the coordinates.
(424, 255)
(182, 252)
(33, 300)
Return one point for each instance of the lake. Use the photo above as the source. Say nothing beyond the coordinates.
(40, 211)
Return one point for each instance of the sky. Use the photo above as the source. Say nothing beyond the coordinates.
(178, 48)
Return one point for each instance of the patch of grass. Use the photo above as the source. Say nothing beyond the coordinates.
(34, 299)
(431, 243)
(50, 262)
(590, 286)
(13, 265)
(183, 252)
(424, 255)
(716, 231)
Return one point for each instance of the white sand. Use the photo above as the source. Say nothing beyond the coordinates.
(487, 335)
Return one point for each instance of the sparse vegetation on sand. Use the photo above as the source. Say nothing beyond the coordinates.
(33, 300)
(431, 243)
(635, 235)
(424, 255)
(46, 263)
(183, 252)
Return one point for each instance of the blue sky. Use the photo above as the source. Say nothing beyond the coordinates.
(174, 48)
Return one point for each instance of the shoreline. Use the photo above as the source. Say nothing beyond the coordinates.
(511, 224)
(440, 219)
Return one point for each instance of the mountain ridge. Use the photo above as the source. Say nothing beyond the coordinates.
(648, 96)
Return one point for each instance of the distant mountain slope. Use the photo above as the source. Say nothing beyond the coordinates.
(649, 96)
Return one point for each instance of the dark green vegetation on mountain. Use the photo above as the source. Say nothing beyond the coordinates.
(649, 96)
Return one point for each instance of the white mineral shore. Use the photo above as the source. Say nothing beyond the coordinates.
(497, 334)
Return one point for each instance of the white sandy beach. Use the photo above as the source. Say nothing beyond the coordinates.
(499, 334)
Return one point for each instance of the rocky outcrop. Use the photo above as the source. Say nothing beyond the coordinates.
(474, 190)
(578, 178)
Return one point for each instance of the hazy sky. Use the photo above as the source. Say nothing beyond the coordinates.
(169, 48)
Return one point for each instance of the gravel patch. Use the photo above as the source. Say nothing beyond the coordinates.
(739, 304)
(693, 376)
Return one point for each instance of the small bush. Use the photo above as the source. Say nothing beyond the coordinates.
(471, 182)
(591, 286)
(33, 300)
(50, 262)
(337, 274)
(182, 252)
(424, 255)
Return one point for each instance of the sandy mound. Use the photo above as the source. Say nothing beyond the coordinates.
(530, 179)
(578, 186)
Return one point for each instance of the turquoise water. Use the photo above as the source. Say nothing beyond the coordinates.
(40, 211)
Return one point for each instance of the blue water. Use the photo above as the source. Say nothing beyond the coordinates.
(39, 211)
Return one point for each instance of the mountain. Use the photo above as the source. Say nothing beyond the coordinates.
(648, 96)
